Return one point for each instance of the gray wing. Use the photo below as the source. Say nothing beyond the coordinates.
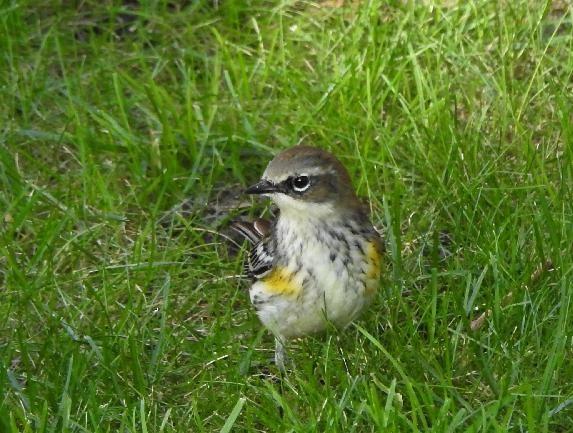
(261, 256)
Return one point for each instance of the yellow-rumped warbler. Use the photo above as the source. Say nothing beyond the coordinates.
(319, 261)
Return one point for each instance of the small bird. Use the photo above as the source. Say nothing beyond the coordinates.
(319, 260)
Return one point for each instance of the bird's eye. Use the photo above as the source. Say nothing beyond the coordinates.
(300, 183)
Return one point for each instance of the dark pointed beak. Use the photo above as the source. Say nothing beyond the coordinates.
(262, 187)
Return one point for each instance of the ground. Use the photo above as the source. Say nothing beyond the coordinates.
(128, 129)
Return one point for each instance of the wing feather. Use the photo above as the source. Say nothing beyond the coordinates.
(261, 256)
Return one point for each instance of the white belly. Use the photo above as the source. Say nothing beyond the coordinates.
(323, 289)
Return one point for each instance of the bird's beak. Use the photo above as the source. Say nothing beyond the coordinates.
(262, 187)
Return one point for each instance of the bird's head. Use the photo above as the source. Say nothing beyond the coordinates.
(308, 181)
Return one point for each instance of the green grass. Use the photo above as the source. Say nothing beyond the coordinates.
(451, 119)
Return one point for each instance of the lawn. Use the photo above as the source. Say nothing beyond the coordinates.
(127, 132)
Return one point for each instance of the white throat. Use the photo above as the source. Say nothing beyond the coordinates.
(301, 210)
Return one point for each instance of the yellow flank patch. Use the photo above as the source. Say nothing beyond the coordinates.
(373, 257)
(280, 282)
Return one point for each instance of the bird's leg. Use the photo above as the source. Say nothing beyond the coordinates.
(280, 354)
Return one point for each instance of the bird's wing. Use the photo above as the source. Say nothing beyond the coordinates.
(252, 231)
(261, 257)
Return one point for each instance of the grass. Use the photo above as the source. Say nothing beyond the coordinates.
(455, 121)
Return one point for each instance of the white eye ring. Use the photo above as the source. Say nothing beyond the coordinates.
(300, 183)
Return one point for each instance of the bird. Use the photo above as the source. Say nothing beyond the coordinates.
(319, 261)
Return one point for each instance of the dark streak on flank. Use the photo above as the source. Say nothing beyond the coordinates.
(359, 245)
